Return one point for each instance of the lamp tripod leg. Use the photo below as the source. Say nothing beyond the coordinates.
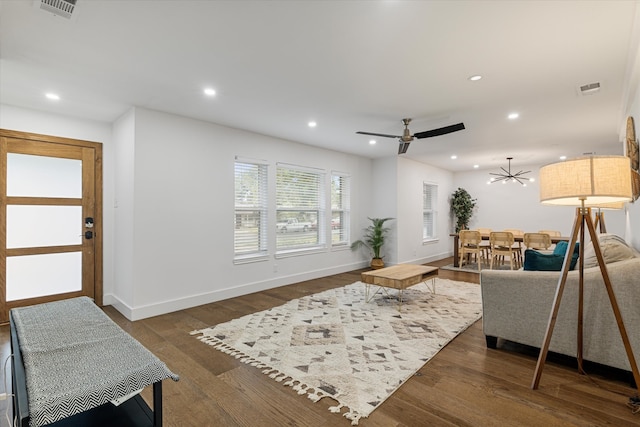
(542, 357)
(584, 214)
(614, 304)
(583, 217)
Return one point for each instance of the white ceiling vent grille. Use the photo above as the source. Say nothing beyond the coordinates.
(63, 8)
(589, 88)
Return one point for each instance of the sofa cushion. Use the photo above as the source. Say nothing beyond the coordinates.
(613, 248)
(537, 261)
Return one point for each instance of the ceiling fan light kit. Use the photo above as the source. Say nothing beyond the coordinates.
(406, 137)
(508, 176)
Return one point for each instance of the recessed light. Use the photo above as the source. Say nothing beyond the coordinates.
(312, 124)
(476, 166)
(513, 116)
(372, 142)
(53, 96)
(209, 91)
(563, 157)
(454, 157)
(475, 78)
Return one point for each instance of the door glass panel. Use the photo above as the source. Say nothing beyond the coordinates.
(36, 226)
(39, 176)
(33, 276)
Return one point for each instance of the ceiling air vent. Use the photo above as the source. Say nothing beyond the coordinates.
(589, 88)
(62, 8)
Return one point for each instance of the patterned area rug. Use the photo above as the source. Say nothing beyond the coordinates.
(335, 344)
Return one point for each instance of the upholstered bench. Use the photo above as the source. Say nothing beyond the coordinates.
(72, 362)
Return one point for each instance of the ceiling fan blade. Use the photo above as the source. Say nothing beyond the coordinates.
(403, 147)
(440, 131)
(379, 134)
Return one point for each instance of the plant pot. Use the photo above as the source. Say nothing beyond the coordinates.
(377, 263)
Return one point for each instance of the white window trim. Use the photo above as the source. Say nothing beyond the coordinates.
(434, 210)
(321, 246)
(345, 244)
(261, 254)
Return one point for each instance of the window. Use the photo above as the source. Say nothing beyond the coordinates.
(429, 213)
(340, 208)
(299, 208)
(250, 232)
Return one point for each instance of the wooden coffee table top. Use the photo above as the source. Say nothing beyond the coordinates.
(399, 276)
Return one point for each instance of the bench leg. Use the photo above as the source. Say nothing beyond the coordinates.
(157, 404)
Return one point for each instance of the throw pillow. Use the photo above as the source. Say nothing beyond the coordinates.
(613, 248)
(561, 248)
(536, 261)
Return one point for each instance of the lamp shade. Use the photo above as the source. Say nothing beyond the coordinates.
(611, 206)
(595, 180)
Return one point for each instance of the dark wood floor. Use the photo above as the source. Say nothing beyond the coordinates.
(465, 384)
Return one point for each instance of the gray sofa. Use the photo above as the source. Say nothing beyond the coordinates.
(517, 306)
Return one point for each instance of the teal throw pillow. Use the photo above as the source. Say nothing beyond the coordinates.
(537, 261)
(561, 248)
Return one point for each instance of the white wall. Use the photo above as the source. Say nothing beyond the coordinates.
(632, 219)
(183, 184)
(25, 120)
(632, 108)
(384, 202)
(124, 200)
(411, 176)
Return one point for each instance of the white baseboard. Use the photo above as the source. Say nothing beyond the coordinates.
(124, 309)
(143, 312)
(431, 258)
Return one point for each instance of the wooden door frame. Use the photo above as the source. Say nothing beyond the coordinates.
(98, 211)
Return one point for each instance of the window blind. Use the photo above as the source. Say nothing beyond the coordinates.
(299, 207)
(250, 231)
(429, 197)
(340, 208)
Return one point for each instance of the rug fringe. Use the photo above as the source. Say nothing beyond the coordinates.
(314, 395)
(353, 416)
(336, 409)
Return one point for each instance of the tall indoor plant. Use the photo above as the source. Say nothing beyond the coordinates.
(462, 205)
(373, 238)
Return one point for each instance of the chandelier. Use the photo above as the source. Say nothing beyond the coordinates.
(508, 176)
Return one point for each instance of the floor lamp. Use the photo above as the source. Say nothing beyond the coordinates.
(599, 215)
(585, 182)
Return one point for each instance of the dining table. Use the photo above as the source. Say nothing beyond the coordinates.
(485, 236)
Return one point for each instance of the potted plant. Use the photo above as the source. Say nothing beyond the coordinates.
(374, 236)
(462, 205)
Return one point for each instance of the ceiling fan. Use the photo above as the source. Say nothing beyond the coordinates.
(406, 137)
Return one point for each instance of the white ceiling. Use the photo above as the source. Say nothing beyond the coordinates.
(348, 65)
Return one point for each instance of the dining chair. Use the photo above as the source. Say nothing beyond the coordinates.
(517, 233)
(486, 247)
(470, 241)
(537, 241)
(502, 244)
(553, 233)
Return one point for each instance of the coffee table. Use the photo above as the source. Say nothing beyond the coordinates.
(398, 277)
